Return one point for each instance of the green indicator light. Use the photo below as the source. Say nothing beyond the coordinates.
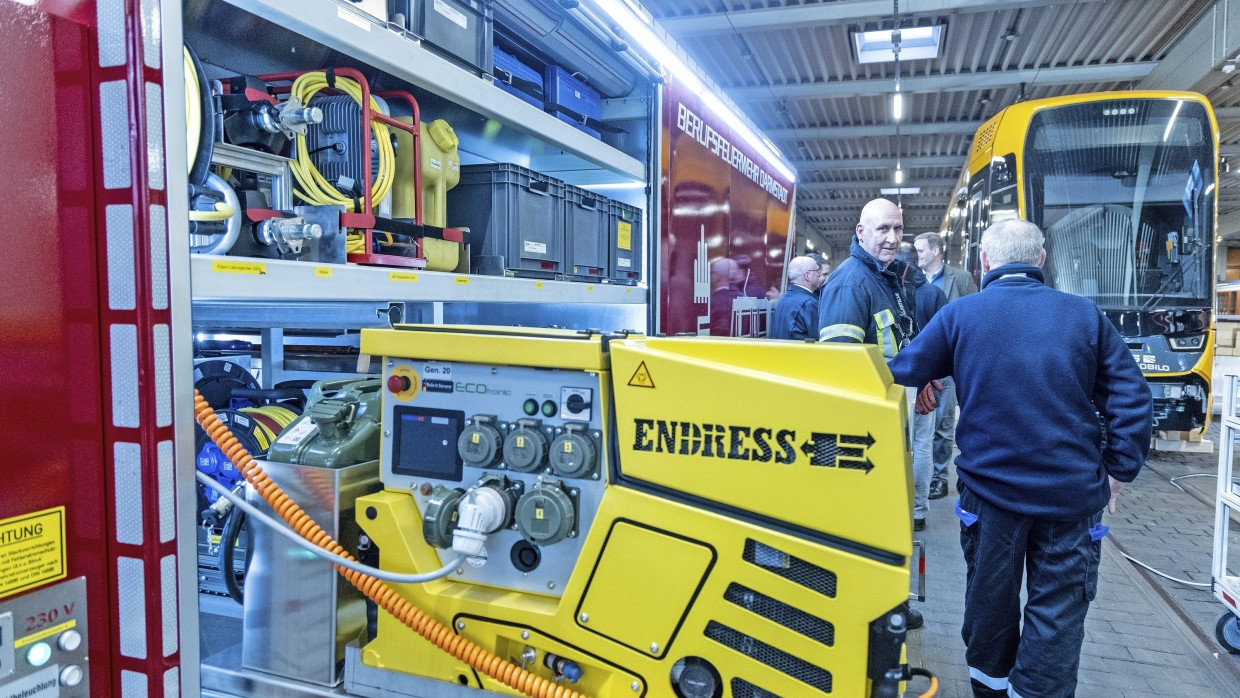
(531, 407)
(38, 654)
(549, 409)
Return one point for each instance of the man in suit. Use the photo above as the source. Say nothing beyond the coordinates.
(954, 283)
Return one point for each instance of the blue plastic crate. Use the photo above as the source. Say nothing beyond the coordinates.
(573, 95)
(514, 77)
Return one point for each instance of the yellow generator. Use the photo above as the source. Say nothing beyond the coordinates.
(629, 516)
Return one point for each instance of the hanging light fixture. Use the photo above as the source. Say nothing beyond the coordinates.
(897, 102)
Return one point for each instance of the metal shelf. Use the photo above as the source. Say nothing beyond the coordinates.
(220, 278)
(361, 36)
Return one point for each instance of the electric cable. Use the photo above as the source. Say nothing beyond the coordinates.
(315, 189)
(934, 681)
(252, 511)
(1164, 575)
(228, 546)
(384, 596)
(222, 212)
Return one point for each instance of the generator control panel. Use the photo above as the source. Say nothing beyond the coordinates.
(523, 446)
(43, 648)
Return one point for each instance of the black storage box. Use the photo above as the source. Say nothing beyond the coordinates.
(625, 233)
(462, 30)
(587, 234)
(515, 218)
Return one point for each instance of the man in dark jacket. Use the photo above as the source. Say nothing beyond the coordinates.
(955, 284)
(1034, 369)
(864, 300)
(796, 313)
(928, 300)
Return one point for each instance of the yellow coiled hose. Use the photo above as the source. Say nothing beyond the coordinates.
(313, 187)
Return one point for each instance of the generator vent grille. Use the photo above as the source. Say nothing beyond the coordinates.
(775, 610)
(773, 657)
(743, 689)
(791, 568)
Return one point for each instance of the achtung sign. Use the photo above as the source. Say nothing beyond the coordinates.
(32, 550)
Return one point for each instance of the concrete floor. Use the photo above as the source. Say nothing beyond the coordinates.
(1145, 635)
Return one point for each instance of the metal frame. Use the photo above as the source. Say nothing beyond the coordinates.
(1226, 587)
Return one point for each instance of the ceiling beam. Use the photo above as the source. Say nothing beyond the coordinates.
(1227, 113)
(887, 163)
(929, 128)
(1191, 63)
(940, 183)
(957, 82)
(842, 11)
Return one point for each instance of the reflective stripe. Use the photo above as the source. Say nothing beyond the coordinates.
(988, 681)
(850, 331)
(886, 337)
(1012, 693)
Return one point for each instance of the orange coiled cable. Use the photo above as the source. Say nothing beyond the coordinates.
(377, 590)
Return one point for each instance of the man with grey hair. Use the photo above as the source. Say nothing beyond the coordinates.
(1035, 369)
(955, 283)
(796, 313)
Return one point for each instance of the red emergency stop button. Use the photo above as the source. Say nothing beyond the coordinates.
(399, 384)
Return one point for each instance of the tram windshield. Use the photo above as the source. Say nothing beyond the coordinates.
(1124, 190)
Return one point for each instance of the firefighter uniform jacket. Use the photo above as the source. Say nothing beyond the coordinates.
(865, 303)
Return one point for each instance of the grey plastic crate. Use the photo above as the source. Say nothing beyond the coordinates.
(460, 29)
(587, 235)
(625, 235)
(515, 218)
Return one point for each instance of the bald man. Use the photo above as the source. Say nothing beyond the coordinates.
(796, 314)
(863, 301)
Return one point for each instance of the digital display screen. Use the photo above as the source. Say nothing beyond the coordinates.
(424, 443)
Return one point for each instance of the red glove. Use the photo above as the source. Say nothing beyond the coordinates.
(928, 398)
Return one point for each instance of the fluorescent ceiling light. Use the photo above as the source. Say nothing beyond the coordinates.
(899, 178)
(900, 191)
(916, 43)
(643, 36)
(897, 105)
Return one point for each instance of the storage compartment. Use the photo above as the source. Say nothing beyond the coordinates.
(515, 218)
(551, 31)
(571, 99)
(587, 235)
(514, 77)
(625, 232)
(462, 30)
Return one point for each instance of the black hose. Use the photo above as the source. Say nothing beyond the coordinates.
(206, 141)
(228, 541)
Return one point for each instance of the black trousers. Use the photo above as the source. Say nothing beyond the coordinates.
(1059, 562)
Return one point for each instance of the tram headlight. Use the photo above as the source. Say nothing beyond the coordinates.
(1188, 342)
(1172, 392)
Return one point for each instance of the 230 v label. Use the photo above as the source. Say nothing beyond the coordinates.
(45, 618)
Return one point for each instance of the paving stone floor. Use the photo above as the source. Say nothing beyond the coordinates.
(1145, 635)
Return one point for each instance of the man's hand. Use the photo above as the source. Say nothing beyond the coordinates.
(927, 399)
(1116, 488)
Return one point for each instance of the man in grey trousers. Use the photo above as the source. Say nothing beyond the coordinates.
(954, 283)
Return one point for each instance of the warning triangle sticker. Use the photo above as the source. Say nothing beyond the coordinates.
(641, 377)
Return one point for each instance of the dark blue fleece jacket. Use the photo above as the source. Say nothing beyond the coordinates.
(1034, 368)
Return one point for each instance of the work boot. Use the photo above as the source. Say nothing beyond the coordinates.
(938, 489)
(919, 524)
(915, 619)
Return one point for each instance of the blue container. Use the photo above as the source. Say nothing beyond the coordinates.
(564, 90)
(514, 77)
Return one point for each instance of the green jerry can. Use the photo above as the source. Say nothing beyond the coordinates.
(339, 427)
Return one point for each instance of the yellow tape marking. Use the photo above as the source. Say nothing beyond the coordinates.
(239, 268)
(45, 633)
